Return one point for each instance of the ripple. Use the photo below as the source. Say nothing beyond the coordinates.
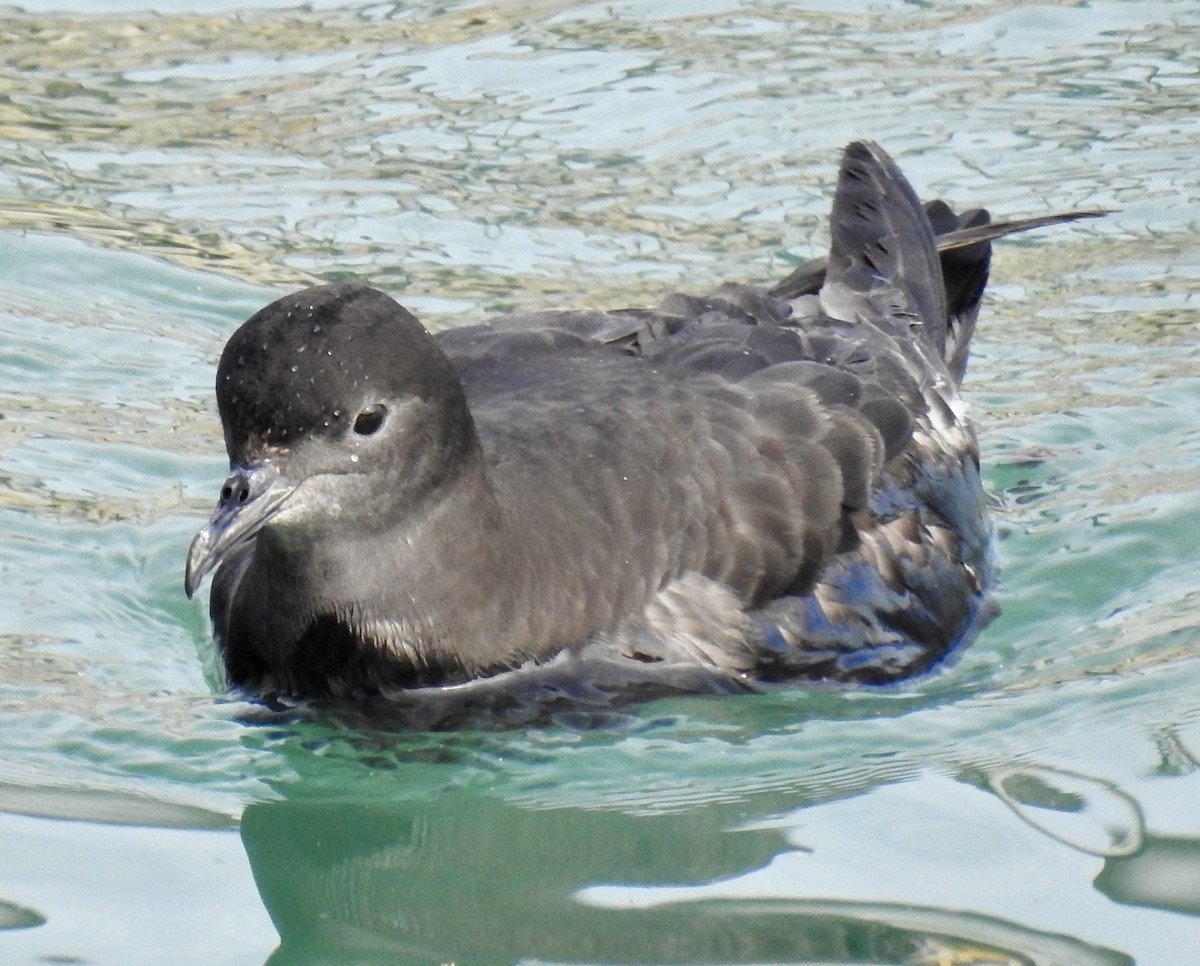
(162, 176)
(1084, 813)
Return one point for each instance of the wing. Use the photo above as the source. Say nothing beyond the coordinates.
(788, 486)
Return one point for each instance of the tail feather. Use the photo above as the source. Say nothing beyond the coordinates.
(883, 237)
(964, 276)
(807, 279)
(973, 234)
(882, 243)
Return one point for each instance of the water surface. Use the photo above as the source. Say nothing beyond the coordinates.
(166, 169)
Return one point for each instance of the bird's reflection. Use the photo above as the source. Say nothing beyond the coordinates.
(463, 877)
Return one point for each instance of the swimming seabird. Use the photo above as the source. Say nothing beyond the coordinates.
(747, 486)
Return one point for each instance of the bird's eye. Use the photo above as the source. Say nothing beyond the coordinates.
(368, 422)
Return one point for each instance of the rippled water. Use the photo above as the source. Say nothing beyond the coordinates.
(167, 169)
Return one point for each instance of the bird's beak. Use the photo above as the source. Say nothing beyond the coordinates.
(249, 498)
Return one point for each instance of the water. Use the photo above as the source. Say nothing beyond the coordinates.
(167, 169)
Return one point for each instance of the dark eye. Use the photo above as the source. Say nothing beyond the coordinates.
(367, 422)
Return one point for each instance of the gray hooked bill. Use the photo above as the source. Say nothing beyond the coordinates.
(250, 497)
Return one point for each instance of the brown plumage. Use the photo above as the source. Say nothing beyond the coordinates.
(747, 486)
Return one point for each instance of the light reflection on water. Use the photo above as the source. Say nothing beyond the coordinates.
(469, 156)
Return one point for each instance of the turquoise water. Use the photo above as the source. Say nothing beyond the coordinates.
(167, 169)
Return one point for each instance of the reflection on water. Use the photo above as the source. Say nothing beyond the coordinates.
(1164, 874)
(75, 892)
(489, 882)
(1078, 811)
(384, 143)
(162, 176)
(17, 917)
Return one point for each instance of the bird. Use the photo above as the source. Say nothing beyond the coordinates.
(749, 487)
